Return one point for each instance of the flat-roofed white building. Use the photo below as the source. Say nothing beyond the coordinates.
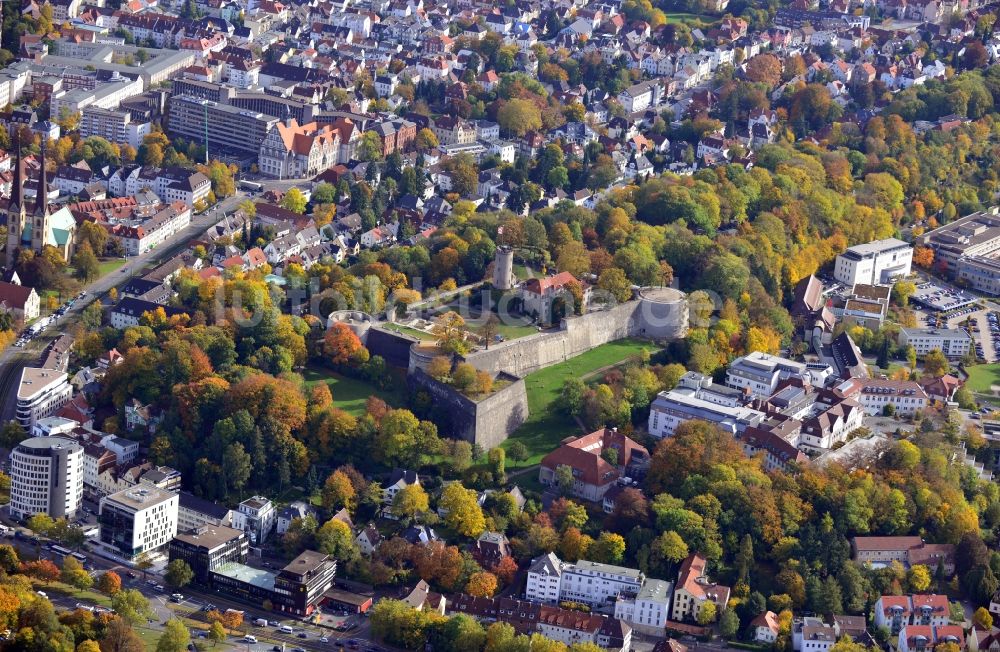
(760, 373)
(139, 520)
(874, 263)
(46, 477)
(41, 392)
(953, 342)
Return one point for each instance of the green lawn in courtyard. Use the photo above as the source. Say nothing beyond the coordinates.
(545, 427)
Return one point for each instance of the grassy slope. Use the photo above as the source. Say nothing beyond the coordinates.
(545, 427)
(350, 394)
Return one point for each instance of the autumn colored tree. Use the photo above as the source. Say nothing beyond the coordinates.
(482, 585)
(519, 116)
(463, 513)
(764, 68)
(342, 346)
(338, 492)
(505, 570)
(43, 570)
(410, 501)
(923, 257)
(109, 583)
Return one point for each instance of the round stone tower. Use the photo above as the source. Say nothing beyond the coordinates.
(503, 269)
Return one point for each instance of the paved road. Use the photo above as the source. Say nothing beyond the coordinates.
(191, 607)
(13, 359)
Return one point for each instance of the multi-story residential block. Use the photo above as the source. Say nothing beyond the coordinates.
(143, 235)
(874, 263)
(291, 150)
(811, 634)
(208, 547)
(194, 512)
(953, 342)
(693, 589)
(113, 125)
(256, 516)
(642, 602)
(924, 638)
(137, 521)
(898, 611)
(19, 300)
(46, 477)
(129, 311)
(40, 393)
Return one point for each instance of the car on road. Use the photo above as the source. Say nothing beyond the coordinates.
(130, 574)
(42, 594)
(303, 635)
(176, 597)
(324, 639)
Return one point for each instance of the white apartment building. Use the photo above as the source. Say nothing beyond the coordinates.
(875, 263)
(113, 125)
(139, 520)
(906, 396)
(649, 609)
(46, 477)
(643, 603)
(257, 517)
(953, 342)
(759, 373)
(41, 392)
(167, 222)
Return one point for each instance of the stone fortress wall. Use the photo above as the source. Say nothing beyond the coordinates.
(659, 314)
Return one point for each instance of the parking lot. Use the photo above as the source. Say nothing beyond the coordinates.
(939, 299)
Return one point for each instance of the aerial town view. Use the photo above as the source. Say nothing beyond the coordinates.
(519, 326)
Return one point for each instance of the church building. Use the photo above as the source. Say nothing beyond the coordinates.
(38, 227)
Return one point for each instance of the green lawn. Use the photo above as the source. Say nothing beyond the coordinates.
(350, 394)
(682, 17)
(110, 265)
(545, 427)
(514, 331)
(981, 376)
(406, 330)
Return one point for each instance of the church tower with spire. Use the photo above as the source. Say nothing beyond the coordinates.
(33, 229)
(40, 214)
(16, 213)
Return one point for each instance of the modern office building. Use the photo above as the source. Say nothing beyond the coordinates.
(760, 373)
(223, 126)
(979, 273)
(874, 263)
(139, 520)
(40, 394)
(208, 547)
(46, 477)
(299, 586)
(671, 409)
(974, 235)
(953, 342)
